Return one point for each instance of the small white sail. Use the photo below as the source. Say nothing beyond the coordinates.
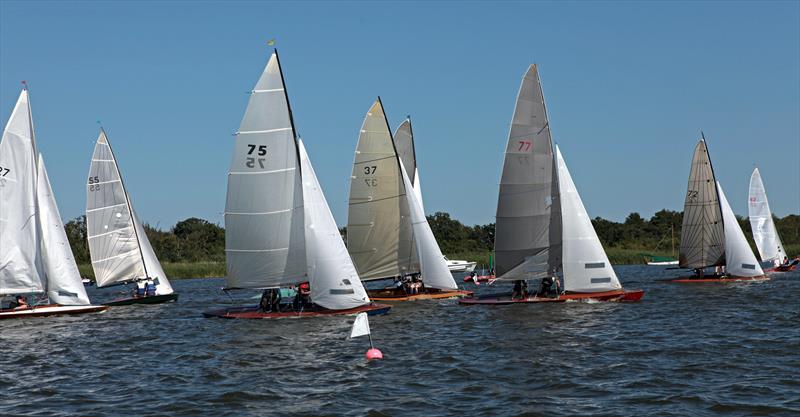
(64, 285)
(739, 258)
(765, 234)
(20, 267)
(418, 189)
(153, 266)
(334, 281)
(113, 243)
(264, 231)
(360, 326)
(586, 266)
(433, 266)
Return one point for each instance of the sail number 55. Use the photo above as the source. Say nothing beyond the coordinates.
(251, 161)
(94, 183)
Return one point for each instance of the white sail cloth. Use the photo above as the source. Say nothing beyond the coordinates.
(20, 266)
(360, 326)
(406, 151)
(118, 244)
(64, 285)
(586, 266)
(433, 267)
(333, 278)
(739, 258)
(765, 234)
(264, 230)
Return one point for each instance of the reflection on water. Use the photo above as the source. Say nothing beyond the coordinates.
(683, 350)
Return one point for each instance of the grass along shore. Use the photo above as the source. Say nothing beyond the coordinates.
(180, 270)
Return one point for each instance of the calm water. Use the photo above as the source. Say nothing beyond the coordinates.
(684, 350)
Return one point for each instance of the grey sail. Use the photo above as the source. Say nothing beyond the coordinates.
(379, 228)
(264, 217)
(404, 142)
(702, 234)
(528, 224)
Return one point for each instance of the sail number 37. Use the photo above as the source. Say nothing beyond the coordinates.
(261, 151)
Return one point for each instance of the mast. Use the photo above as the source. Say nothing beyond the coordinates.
(127, 202)
(291, 115)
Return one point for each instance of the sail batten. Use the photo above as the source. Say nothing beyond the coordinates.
(702, 234)
(765, 234)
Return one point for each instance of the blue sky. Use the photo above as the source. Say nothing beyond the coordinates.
(628, 86)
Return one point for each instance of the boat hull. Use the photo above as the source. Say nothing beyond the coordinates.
(481, 278)
(706, 280)
(153, 299)
(50, 310)
(616, 295)
(782, 269)
(667, 263)
(253, 312)
(391, 295)
(462, 267)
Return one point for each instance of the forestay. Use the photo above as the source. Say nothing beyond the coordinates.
(433, 266)
(153, 266)
(64, 285)
(265, 238)
(379, 230)
(764, 232)
(702, 234)
(20, 267)
(739, 258)
(334, 281)
(586, 266)
(528, 225)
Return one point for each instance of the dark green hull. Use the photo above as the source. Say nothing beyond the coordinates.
(154, 299)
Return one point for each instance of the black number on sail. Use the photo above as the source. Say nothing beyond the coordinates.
(94, 183)
(262, 151)
(370, 169)
(371, 182)
(691, 195)
(4, 171)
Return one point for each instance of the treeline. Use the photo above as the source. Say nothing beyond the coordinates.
(196, 240)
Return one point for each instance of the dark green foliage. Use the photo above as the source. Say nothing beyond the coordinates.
(197, 241)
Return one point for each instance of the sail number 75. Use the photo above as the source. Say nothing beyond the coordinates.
(251, 161)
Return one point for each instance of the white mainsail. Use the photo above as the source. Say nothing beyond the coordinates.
(739, 258)
(334, 281)
(20, 266)
(586, 265)
(117, 242)
(528, 225)
(379, 230)
(264, 226)
(433, 267)
(64, 285)
(765, 234)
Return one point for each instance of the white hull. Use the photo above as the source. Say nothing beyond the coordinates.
(667, 263)
(461, 266)
(50, 310)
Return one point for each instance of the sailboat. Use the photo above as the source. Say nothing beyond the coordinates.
(765, 233)
(118, 244)
(542, 226)
(656, 260)
(279, 228)
(406, 151)
(35, 256)
(388, 235)
(711, 235)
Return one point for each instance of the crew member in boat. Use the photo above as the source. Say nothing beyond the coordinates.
(270, 300)
(520, 290)
(150, 289)
(546, 287)
(140, 290)
(699, 272)
(303, 298)
(19, 303)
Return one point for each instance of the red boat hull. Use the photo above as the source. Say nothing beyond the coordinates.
(782, 269)
(694, 280)
(481, 278)
(616, 295)
(253, 312)
(392, 295)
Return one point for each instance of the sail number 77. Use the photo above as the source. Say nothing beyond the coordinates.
(524, 145)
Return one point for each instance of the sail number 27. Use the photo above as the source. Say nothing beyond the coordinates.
(251, 161)
(4, 171)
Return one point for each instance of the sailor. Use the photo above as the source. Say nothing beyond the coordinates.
(545, 286)
(516, 293)
(20, 302)
(398, 284)
(264, 304)
(140, 290)
(785, 261)
(150, 289)
(304, 295)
